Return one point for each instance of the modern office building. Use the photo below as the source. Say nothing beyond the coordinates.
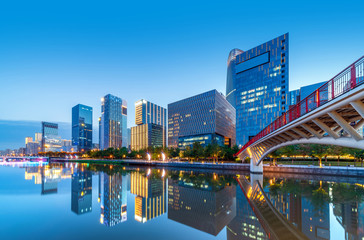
(146, 135)
(257, 86)
(113, 122)
(82, 127)
(204, 118)
(81, 197)
(151, 121)
(51, 142)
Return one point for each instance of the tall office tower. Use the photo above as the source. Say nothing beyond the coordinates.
(28, 139)
(150, 201)
(81, 197)
(51, 142)
(204, 118)
(82, 127)
(113, 125)
(38, 137)
(257, 86)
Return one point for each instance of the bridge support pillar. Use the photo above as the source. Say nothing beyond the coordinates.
(253, 165)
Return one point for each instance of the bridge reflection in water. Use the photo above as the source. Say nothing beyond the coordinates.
(247, 206)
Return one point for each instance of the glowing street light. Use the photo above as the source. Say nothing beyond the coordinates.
(149, 157)
(163, 157)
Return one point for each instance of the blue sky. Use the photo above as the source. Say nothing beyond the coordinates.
(56, 54)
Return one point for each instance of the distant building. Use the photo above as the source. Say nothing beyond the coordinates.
(257, 86)
(32, 148)
(38, 138)
(51, 142)
(82, 127)
(81, 196)
(67, 146)
(129, 138)
(204, 118)
(295, 96)
(113, 122)
(28, 139)
(151, 121)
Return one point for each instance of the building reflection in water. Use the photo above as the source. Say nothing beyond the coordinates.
(150, 188)
(245, 225)
(204, 205)
(113, 198)
(81, 191)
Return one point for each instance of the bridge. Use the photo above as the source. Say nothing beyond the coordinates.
(275, 225)
(332, 114)
(23, 159)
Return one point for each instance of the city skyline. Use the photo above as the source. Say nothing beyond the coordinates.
(114, 61)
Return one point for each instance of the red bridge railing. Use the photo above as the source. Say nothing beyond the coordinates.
(350, 78)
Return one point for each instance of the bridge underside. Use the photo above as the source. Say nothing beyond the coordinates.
(335, 123)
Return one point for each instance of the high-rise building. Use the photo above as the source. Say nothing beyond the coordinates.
(146, 135)
(38, 137)
(113, 122)
(81, 197)
(28, 139)
(204, 118)
(51, 142)
(257, 86)
(82, 127)
(151, 121)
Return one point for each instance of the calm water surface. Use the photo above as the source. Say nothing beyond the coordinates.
(79, 201)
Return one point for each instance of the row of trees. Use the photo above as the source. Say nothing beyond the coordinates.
(196, 152)
(318, 151)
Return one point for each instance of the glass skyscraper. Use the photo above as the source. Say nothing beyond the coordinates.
(257, 86)
(51, 142)
(82, 127)
(113, 122)
(203, 118)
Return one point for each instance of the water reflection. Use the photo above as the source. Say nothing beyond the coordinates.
(210, 203)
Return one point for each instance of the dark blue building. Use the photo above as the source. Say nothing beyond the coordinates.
(81, 197)
(204, 118)
(82, 127)
(257, 86)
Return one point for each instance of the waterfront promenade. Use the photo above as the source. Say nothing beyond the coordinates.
(349, 171)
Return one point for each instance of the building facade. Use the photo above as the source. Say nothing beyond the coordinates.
(146, 135)
(51, 142)
(113, 122)
(82, 127)
(257, 86)
(204, 118)
(295, 96)
(151, 121)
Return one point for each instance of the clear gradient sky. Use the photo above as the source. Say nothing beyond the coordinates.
(56, 54)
